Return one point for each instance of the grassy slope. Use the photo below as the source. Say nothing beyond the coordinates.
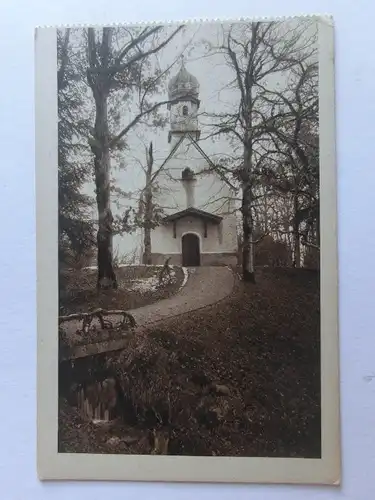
(262, 344)
(79, 294)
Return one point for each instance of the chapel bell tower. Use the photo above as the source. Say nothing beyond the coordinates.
(183, 90)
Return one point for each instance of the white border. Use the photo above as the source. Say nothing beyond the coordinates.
(52, 465)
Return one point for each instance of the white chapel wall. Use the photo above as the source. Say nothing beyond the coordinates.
(211, 194)
(220, 238)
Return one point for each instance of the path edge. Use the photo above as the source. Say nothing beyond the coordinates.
(86, 350)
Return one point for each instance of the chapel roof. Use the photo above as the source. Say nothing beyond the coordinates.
(195, 212)
(183, 84)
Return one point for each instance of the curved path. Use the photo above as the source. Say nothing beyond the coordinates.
(205, 286)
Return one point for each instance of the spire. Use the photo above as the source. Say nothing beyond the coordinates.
(183, 84)
(183, 92)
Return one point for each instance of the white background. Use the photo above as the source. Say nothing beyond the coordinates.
(355, 70)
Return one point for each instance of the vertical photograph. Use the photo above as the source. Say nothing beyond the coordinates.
(189, 240)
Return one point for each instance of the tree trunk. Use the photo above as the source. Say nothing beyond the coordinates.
(247, 229)
(102, 163)
(147, 257)
(247, 200)
(318, 227)
(296, 235)
(265, 213)
(100, 85)
(148, 209)
(147, 228)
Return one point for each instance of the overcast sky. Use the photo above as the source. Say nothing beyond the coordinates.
(214, 76)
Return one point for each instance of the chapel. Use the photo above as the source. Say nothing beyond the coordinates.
(199, 223)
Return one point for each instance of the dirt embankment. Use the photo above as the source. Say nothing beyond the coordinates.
(241, 378)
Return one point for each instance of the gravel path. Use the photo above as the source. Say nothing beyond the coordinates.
(205, 286)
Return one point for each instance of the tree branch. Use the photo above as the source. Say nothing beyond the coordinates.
(135, 120)
(308, 244)
(117, 68)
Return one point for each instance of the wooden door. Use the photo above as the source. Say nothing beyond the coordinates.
(190, 250)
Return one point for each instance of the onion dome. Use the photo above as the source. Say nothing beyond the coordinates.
(184, 84)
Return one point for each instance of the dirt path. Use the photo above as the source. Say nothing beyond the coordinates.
(205, 286)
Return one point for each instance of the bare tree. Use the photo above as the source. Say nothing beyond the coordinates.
(146, 207)
(294, 134)
(255, 52)
(123, 66)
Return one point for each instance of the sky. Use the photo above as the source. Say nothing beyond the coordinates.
(216, 96)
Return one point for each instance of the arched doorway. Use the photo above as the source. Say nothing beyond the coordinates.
(191, 256)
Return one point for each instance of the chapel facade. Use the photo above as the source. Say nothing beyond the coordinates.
(199, 225)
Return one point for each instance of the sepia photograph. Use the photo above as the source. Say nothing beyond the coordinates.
(187, 267)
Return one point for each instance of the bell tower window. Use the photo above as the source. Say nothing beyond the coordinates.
(183, 92)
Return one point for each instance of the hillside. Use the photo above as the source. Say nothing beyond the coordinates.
(241, 377)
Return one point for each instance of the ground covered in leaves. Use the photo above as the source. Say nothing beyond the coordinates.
(137, 286)
(241, 378)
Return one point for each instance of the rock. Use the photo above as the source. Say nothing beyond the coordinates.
(129, 439)
(221, 389)
(113, 441)
(160, 442)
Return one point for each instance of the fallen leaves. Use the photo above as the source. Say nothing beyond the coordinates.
(240, 378)
(137, 286)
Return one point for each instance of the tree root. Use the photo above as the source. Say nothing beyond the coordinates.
(87, 318)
